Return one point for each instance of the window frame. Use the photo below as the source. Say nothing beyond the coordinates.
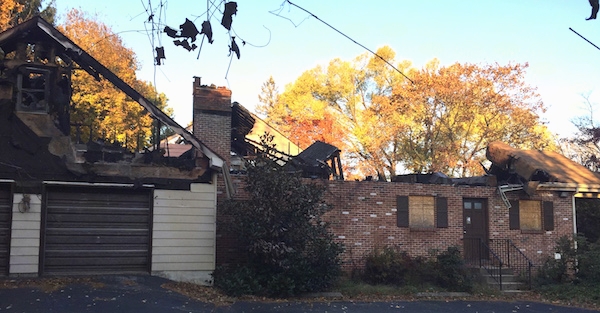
(530, 215)
(440, 213)
(546, 215)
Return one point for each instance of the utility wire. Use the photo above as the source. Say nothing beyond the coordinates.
(354, 41)
(591, 43)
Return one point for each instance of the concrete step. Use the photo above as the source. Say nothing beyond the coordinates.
(512, 286)
(510, 281)
(504, 270)
(505, 279)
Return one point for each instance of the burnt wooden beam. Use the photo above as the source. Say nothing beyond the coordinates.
(95, 68)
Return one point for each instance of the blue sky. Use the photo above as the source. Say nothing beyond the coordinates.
(561, 65)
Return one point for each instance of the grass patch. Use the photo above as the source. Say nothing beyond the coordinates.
(353, 288)
(572, 294)
(358, 289)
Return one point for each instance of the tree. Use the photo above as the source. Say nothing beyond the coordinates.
(13, 12)
(455, 111)
(289, 247)
(104, 111)
(268, 97)
(441, 121)
(584, 147)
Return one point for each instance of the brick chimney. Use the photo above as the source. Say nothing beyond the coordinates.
(212, 117)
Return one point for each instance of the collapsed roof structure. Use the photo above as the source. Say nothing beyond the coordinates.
(35, 84)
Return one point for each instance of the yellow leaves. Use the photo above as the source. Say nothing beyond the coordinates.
(442, 122)
(8, 10)
(100, 106)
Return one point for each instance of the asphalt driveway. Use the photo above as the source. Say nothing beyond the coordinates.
(144, 294)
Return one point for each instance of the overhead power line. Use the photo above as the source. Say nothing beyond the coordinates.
(354, 41)
(591, 43)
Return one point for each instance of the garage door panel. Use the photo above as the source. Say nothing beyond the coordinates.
(4, 236)
(116, 226)
(131, 262)
(111, 251)
(96, 230)
(94, 240)
(95, 210)
(86, 270)
(5, 225)
(4, 216)
(94, 196)
(96, 218)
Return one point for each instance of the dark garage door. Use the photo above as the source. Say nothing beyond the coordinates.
(5, 218)
(91, 230)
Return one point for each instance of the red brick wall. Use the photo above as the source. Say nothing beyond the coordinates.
(212, 118)
(363, 216)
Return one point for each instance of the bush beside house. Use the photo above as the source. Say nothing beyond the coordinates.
(288, 247)
(389, 266)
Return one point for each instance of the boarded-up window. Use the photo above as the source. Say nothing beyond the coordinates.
(421, 211)
(530, 215)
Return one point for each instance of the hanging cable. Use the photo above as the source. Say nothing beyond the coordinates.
(591, 43)
(354, 41)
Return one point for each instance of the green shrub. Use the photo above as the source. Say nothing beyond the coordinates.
(387, 266)
(551, 272)
(391, 267)
(452, 274)
(236, 280)
(577, 265)
(557, 271)
(588, 263)
(289, 247)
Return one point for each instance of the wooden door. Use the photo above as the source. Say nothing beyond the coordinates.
(475, 226)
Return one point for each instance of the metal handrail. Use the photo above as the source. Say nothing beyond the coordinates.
(484, 257)
(524, 263)
(494, 269)
(514, 258)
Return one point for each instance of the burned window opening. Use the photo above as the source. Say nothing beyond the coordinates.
(33, 90)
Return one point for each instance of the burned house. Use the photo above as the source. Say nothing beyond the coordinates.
(71, 207)
(512, 216)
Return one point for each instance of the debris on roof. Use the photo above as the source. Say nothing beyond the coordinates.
(511, 164)
(319, 160)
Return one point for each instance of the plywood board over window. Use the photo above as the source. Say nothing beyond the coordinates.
(531, 215)
(421, 213)
(530, 212)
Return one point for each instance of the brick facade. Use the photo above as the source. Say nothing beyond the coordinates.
(364, 216)
(364, 213)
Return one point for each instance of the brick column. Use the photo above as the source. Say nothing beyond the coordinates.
(212, 117)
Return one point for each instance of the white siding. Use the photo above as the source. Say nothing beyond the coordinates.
(25, 236)
(183, 233)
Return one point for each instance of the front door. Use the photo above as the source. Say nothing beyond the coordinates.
(475, 226)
